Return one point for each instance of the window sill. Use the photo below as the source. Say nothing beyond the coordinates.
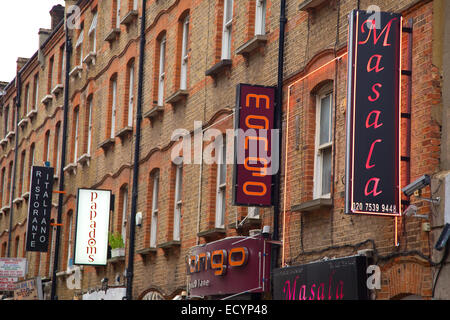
(310, 4)
(212, 234)
(23, 122)
(129, 17)
(3, 142)
(5, 209)
(251, 45)
(108, 143)
(154, 112)
(26, 195)
(32, 114)
(124, 132)
(146, 251)
(71, 168)
(47, 99)
(90, 58)
(170, 245)
(246, 223)
(218, 68)
(10, 135)
(313, 205)
(76, 72)
(178, 96)
(84, 159)
(57, 89)
(18, 200)
(112, 35)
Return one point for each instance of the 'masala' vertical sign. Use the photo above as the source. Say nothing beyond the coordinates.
(39, 209)
(373, 114)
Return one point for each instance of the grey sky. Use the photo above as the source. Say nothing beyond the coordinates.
(20, 21)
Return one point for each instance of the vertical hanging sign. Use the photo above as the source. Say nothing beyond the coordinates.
(91, 235)
(255, 158)
(39, 209)
(373, 114)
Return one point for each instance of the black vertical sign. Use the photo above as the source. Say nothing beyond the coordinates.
(39, 209)
(373, 114)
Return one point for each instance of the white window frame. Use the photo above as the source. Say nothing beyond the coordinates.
(260, 17)
(58, 150)
(184, 54)
(48, 147)
(135, 5)
(131, 96)
(320, 148)
(89, 137)
(79, 47)
(3, 173)
(154, 222)
(27, 99)
(118, 15)
(162, 70)
(221, 184)
(124, 194)
(227, 30)
(93, 33)
(36, 88)
(22, 171)
(77, 121)
(178, 202)
(69, 244)
(113, 108)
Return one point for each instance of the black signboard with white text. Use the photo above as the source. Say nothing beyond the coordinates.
(373, 114)
(39, 209)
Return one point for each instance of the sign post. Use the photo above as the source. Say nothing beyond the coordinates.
(373, 114)
(39, 209)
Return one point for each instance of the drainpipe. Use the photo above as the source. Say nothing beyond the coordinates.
(134, 195)
(278, 123)
(13, 182)
(68, 46)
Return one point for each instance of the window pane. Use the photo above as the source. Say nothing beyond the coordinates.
(326, 171)
(325, 108)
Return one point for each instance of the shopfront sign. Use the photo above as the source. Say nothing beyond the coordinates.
(91, 233)
(8, 284)
(39, 209)
(373, 114)
(13, 267)
(336, 279)
(229, 266)
(256, 159)
(29, 290)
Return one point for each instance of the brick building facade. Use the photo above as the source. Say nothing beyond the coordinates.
(196, 52)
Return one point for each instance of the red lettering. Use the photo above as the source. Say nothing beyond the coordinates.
(320, 296)
(377, 65)
(94, 196)
(377, 94)
(375, 123)
(386, 29)
(374, 190)
(368, 165)
(312, 292)
(290, 294)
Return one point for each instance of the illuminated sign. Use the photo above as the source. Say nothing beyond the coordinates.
(91, 237)
(373, 114)
(39, 209)
(336, 279)
(255, 157)
(228, 266)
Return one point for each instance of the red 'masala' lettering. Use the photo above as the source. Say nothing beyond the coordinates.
(386, 30)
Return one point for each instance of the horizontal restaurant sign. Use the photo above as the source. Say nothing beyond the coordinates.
(255, 155)
(8, 284)
(373, 114)
(231, 265)
(91, 235)
(39, 209)
(336, 279)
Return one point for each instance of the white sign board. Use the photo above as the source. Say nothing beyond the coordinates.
(13, 267)
(8, 284)
(91, 237)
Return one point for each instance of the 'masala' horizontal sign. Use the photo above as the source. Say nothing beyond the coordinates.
(373, 114)
(39, 209)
